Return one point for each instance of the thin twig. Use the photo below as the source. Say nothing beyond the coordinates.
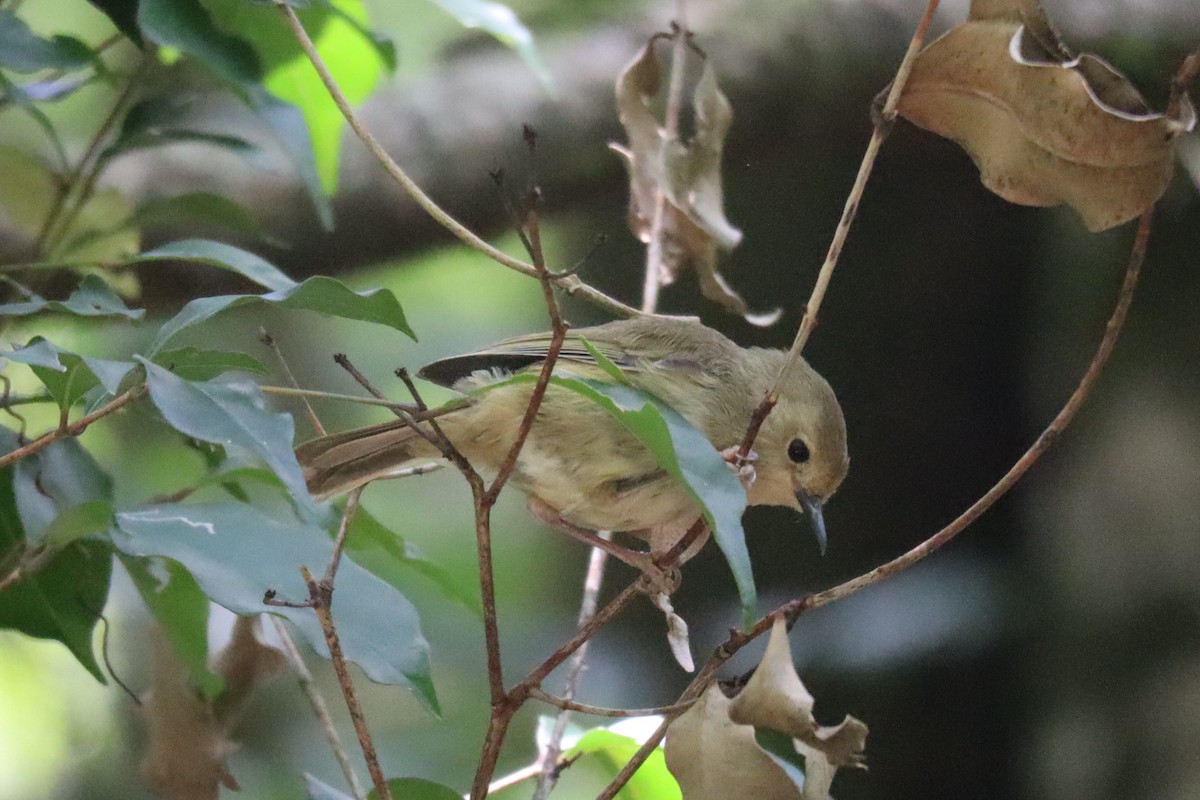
(343, 361)
(73, 429)
(883, 126)
(420, 416)
(600, 711)
(269, 341)
(792, 609)
(339, 543)
(320, 708)
(571, 284)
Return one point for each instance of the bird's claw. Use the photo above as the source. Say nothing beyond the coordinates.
(742, 466)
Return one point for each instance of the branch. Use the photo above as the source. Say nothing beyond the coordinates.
(570, 284)
(73, 429)
(883, 126)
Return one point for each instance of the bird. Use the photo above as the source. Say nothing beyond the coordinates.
(581, 470)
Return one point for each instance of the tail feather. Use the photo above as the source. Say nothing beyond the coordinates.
(337, 463)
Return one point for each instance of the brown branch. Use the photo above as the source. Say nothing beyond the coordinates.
(73, 429)
(791, 610)
(600, 711)
(571, 284)
(883, 126)
(343, 361)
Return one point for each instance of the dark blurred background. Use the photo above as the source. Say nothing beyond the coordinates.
(1053, 650)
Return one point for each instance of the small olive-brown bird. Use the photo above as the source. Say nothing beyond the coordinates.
(582, 470)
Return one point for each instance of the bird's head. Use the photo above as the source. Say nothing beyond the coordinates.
(801, 447)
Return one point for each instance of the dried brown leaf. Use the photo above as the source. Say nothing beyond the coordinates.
(677, 632)
(1044, 126)
(695, 230)
(188, 738)
(714, 758)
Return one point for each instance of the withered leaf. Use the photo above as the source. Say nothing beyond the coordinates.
(188, 738)
(1043, 125)
(695, 231)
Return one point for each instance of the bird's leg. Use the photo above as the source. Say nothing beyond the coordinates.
(742, 466)
(657, 580)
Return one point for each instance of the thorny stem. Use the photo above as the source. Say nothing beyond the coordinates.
(320, 708)
(883, 126)
(570, 284)
(791, 610)
(321, 595)
(72, 429)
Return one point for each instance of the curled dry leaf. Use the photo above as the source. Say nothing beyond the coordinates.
(677, 632)
(711, 749)
(1043, 125)
(188, 738)
(688, 175)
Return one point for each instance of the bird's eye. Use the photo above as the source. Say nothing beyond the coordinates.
(798, 451)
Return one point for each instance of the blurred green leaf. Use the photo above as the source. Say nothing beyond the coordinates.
(500, 21)
(223, 256)
(76, 522)
(318, 293)
(22, 50)
(69, 376)
(181, 608)
(93, 298)
(161, 120)
(92, 236)
(63, 598)
(187, 26)
(286, 123)
(230, 413)
(198, 208)
(652, 781)
(236, 553)
(417, 789)
(387, 555)
(27, 189)
(193, 364)
(123, 14)
(688, 456)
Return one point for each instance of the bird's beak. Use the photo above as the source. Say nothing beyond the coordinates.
(812, 504)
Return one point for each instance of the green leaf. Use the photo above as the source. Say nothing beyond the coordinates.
(230, 413)
(188, 27)
(286, 123)
(236, 553)
(92, 517)
(69, 376)
(93, 298)
(418, 789)
(162, 120)
(51, 482)
(318, 293)
(319, 790)
(193, 364)
(181, 608)
(686, 454)
(500, 21)
(63, 599)
(22, 50)
(387, 555)
(27, 189)
(223, 256)
(123, 14)
(652, 781)
(198, 208)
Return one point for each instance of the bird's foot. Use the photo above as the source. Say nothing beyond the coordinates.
(742, 466)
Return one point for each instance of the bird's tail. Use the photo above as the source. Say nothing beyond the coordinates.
(339, 462)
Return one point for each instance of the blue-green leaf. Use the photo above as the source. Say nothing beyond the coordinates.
(230, 413)
(500, 21)
(93, 298)
(194, 364)
(181, 608)
(236, 553)
(222, 256)
(187, 26)
(22, 50)
(69, 376)
(123, 14)
(319, 790)
(318, 293)
(418, 789)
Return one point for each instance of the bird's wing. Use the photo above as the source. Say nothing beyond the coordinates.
(515, 354)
